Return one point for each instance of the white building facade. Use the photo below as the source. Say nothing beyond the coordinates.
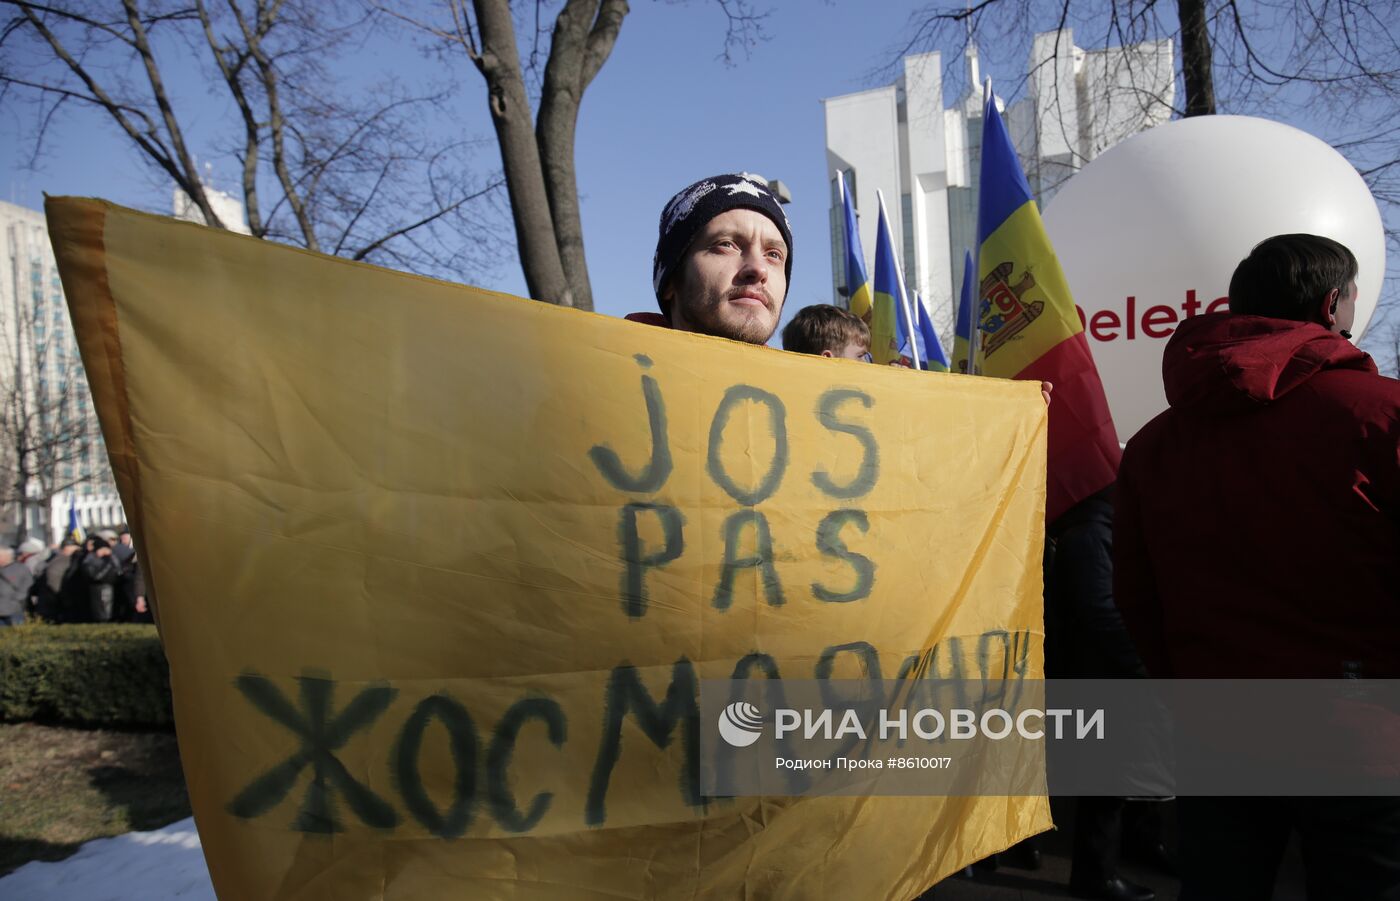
(924, 158)
(51, 441)
(228, 208)
(51, 452)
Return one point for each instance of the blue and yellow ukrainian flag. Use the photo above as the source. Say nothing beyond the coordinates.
(1029, 326)
(75, 529)
(857, 282)
(934, 357)
(925, 339)
(885, 303)
(963, 334)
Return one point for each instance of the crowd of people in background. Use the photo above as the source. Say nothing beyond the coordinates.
(97, 580)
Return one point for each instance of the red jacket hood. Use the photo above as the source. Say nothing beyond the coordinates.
(649, 319)
(1223, 363)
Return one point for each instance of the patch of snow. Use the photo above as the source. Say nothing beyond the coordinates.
(150, 866)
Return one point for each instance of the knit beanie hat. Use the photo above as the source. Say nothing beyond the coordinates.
(692, 209)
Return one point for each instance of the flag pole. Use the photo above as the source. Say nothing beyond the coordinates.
(903, 292)
(974, 340)
(846, 239)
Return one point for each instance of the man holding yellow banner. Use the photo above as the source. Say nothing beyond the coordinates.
(459, 648)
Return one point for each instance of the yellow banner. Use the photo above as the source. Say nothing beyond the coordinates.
(438, 572)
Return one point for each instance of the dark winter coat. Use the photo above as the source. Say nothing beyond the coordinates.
(48, 586)
(15, 579)
(103, 573)
(65, 578)
(1084, 633)
(1257, 531)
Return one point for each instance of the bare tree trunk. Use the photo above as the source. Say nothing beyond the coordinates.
(22, 478)
(1196, 58)
(499, 62)
(584, 35)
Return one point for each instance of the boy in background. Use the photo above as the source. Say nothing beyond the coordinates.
(828, 331)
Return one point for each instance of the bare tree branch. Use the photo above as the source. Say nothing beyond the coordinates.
(412, 226)
(193, 185)
(231, 63)
(319, 165)
(147, 139)
(744, 29)
(1340, 59)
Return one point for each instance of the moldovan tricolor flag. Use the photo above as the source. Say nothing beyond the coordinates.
(884, 317)
(857, 282)
(1030, 329)
(962, 332)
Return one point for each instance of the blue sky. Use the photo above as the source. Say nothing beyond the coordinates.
(663, 112)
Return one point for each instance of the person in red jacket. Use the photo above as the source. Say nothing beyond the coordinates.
(1257, 535)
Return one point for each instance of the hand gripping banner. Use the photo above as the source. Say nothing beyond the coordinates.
(438, 572)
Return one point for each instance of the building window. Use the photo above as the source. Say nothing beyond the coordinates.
(838, 234)
(838, 259)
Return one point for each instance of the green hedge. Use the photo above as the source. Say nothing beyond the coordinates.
(107, 675)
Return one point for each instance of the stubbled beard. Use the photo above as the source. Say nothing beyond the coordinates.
(707, 320)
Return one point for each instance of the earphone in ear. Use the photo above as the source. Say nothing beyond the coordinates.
(1333, 308)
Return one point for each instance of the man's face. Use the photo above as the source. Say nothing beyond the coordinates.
(732, 281)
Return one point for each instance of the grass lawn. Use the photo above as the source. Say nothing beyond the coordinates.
(60, 787)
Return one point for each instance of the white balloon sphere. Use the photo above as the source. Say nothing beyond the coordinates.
(1150, 232)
